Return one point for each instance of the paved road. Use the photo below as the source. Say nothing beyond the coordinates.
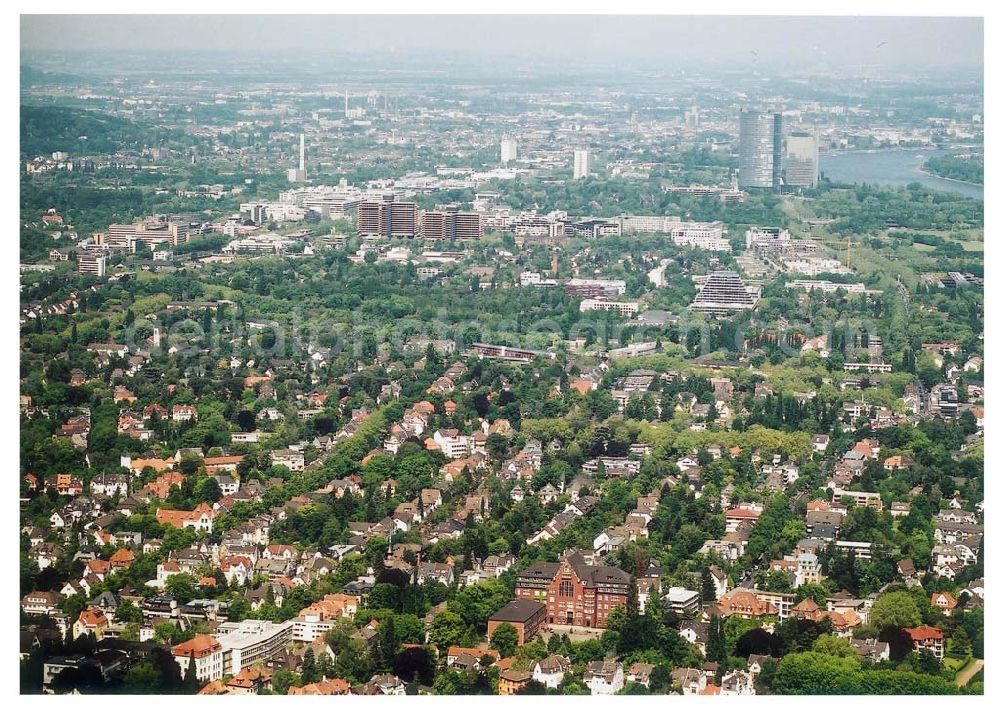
(968, 672)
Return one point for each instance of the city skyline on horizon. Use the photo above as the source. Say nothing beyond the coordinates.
(756, 41)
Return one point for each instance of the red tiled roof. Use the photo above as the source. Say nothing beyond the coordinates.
(99, 566)
(122, 557)
(223, 460)
(743, 513)
(923, 633)
(950, 601)
(93, 617)
(200, 646)
(329, 687)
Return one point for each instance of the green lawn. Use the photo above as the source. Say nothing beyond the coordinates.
(954, 666)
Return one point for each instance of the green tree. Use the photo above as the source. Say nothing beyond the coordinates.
(447, 630)
(632, 600)
(208, 490)
(354, 663)
(167, 632)
(707, 586)
(894, 609)
(811, 673)
(309, 672)
(388, 643)
(832, 645)
(817, 592)
(128, 612)
(183, 587)
(659, 679)
(142, 678)
(190, 674)
(324, 665)
(283, 680)
(960, 644)
(475, 604)
(715, 647)
(504, 639)
(654, 603)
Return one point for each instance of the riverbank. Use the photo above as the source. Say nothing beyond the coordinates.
(923, 170)
(892, 167)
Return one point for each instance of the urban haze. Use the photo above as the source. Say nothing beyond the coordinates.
(501, 355)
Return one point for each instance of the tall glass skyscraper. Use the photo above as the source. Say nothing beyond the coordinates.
(760, 149)
(801, 159)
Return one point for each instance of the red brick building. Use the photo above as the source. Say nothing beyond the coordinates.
(573, 591)
(525, 615)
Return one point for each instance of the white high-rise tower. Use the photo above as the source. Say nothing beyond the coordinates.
(581, 163)
(508, 150)
(298, 175)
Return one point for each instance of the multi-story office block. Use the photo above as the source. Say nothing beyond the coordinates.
(760, 149)
(451, 225)
(387, 218)
(801, 159)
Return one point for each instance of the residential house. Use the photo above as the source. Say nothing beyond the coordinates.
(872, 649)
(551, 670)
(91, 622)
(927, 638)
(640, 673)
(511, 681)
(944, 601)
(452, 443)
(184, 412)
(604, 677)
(200, 519)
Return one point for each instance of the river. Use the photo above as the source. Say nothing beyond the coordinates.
(893, 167)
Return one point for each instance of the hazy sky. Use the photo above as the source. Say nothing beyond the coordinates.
(746, 40)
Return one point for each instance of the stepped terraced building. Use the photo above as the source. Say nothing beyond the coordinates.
(724, 293)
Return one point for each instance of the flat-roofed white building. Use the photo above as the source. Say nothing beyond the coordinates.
(625, 309)
(250, 642)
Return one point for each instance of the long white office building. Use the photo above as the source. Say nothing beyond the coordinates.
(625, 309)
(649, 223)
(261, 213)
(854, 288)
(535, 279)
(331, 201)
(814, 265)
(250, 642)
(756, 236)
(609, 286)
(706, 236)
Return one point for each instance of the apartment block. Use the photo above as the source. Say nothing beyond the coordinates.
(387, 218)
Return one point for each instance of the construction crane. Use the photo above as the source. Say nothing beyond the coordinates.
(849, 242)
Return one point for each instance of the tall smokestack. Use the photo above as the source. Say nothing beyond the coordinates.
(345, 104)
(302, 152)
